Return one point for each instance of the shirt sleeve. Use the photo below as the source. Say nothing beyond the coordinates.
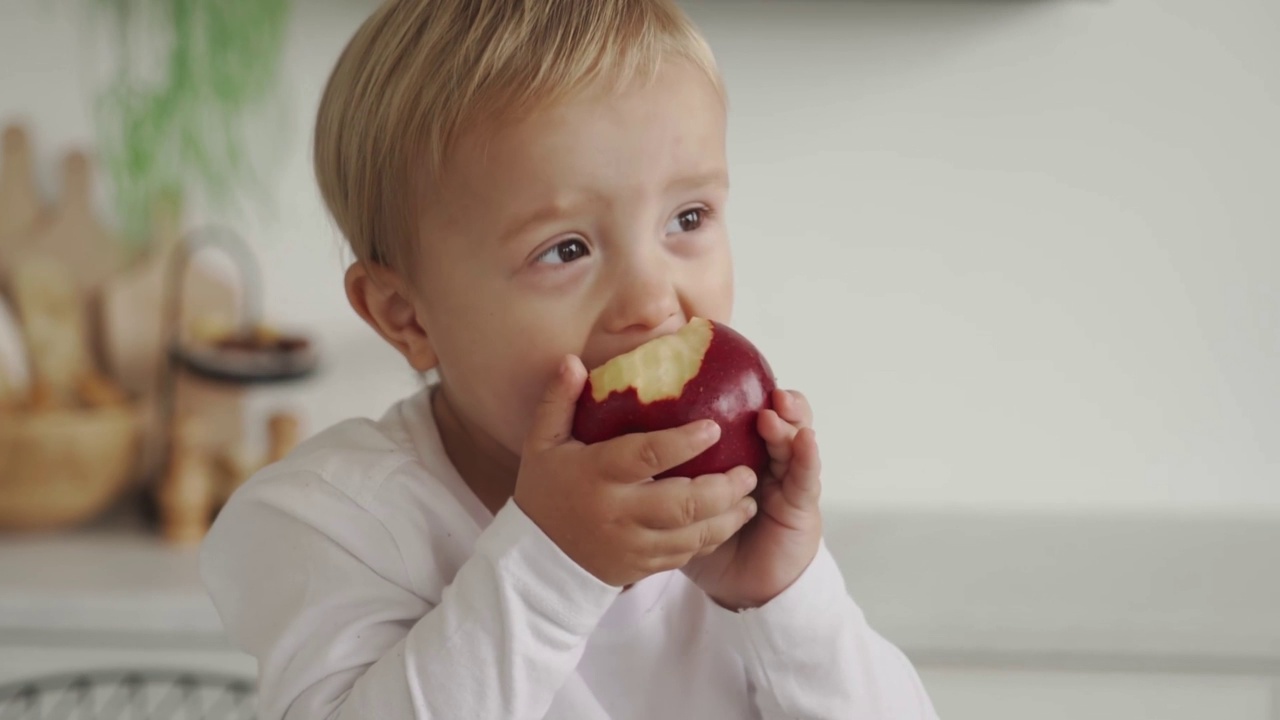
(809, 653)
(314, 586)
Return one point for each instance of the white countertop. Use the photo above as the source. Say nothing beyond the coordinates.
(107, 578)
(1124, 591)
(946, 587)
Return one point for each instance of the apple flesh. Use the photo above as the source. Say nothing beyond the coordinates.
(706, 370)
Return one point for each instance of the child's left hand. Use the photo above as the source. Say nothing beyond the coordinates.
(772, 551)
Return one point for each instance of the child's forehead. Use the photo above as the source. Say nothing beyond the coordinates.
(591, 152)
(677, 110)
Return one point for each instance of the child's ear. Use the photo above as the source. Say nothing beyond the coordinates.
(384, 300)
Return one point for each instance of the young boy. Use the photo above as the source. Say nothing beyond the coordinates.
(530, 187)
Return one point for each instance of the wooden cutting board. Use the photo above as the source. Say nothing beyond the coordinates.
(53, 324)
(73, 233)
(21, 206)
(20, 201)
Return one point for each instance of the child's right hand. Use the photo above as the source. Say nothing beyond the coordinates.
(599, 503)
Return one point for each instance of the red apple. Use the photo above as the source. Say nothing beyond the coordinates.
(706, 370)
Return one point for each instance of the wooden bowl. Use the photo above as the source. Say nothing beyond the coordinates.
(63, 467)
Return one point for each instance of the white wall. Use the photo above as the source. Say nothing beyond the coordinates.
(1019, 254)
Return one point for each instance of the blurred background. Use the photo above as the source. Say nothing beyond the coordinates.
(1022, 255)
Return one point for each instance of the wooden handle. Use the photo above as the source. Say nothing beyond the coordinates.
(75, 180)
(185, 494)
(282, 430)
(17, 151)
(20, 200)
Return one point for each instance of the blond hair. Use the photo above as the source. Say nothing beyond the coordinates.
(418, 73)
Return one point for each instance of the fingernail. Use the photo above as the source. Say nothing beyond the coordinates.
(568, 367)
(709, 431)
(752, 508)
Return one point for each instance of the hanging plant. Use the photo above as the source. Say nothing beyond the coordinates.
(173, 119)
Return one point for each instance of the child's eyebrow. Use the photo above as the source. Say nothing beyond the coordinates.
(717, 178)
(546, 213)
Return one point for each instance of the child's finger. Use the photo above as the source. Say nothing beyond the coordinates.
(709, 533)
(802, 487)
(777, 434)
(639, 456)
(793, 406)
(679, 502)
(553, 418)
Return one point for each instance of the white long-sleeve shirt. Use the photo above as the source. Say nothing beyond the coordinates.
(369, 582)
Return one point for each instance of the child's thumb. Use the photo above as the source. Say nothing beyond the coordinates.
(553, 419)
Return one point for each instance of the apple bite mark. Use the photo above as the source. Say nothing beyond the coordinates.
(657, 370)
(705, 371)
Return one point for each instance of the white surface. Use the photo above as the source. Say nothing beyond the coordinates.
(1020, 254)
(1055, 617)
(111, 580)
(989, 695)
(1123, 591)
(1056, 591)
(22, 662)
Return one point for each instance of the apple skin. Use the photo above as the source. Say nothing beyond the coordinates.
(733, 383)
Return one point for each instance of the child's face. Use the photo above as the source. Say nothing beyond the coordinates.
(589, 229)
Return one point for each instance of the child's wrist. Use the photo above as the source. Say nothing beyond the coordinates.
(748, 601)
(737, 604)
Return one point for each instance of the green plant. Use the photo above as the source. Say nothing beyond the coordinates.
(173, 118)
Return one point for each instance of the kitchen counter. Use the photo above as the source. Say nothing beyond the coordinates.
(1121, 592)
(1189, 593)
(111, 578)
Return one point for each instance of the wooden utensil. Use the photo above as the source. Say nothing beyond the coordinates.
(73, 233)
(185, 496)
(21, 206)
(52, 317)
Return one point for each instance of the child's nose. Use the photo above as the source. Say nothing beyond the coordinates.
(644, 298)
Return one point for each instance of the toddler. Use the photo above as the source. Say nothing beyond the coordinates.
(529, 188)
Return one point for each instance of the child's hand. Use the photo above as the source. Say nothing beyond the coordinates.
(769, 554)
(598, 503)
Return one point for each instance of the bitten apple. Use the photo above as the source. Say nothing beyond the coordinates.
(705, 370)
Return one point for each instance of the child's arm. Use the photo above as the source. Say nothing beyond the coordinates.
(806, 647)
(319, 588)
(810, 653)
(316, 588)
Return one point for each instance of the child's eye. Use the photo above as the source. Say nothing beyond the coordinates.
(564, 252)
(687, 221)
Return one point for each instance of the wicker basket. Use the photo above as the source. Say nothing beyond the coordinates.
(63, 467)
